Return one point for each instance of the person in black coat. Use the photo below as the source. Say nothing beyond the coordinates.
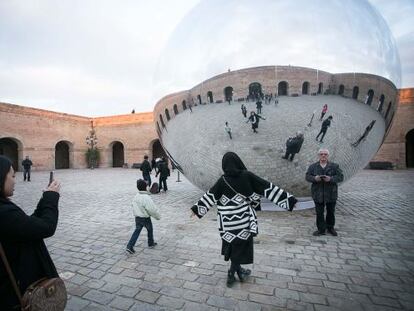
(236, 194)
(293, 146)
(254, 119)
(164, 172)
(27, 165)
(146, 170)
(324, 128)
(259, 106)
(324, 176)
(22, 237)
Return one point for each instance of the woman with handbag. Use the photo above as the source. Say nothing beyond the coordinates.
(24, 256)
(237, 195)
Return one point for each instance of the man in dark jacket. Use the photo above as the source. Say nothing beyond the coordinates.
(324, 177)
(27, 165)
(164, 172)
(324, 128)
(146, 170)
(293, 145)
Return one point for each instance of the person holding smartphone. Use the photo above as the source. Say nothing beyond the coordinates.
(22, 237)
(324, 176)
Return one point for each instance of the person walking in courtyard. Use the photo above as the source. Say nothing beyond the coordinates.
(324, 128)
(27, 167)
(259, 106)
(143, 209)
(324, 110)
(22, 238)
(254, 119)
(164, 172)
(365, 134)
(244, 110)
(146, 170)
(293, 145)
(228, 129)
(324, 176)
(235, 193)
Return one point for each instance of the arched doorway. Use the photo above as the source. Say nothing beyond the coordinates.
(62, 155)
(157, 149)
(305, 88)
(320, 88)
(210, 96)
(381, 102)
(341, 89)
(255, 90)
(228, 93)
(184, 105)
(282, 88)
(175, 109)
(162, 121)
(10, 148)
(370, 97)
(409, 148)
(118, 158)
(355, 92)
(199, 99)
(167, 114)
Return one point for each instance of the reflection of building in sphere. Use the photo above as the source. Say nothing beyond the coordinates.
(336, 37)
(197, 141)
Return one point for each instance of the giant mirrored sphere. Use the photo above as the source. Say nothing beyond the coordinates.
(305, 54)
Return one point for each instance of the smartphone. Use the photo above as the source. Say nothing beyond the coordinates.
(323, 176)
(50, 178)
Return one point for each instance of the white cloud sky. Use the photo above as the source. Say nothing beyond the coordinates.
(95, 57)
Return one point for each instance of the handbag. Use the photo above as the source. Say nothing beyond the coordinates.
(43, 295)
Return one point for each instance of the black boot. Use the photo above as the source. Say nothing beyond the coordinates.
(243, 274)
(230, 279)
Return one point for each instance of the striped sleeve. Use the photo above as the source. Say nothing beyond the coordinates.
(203, 205)
(280, 197)
(273, 193)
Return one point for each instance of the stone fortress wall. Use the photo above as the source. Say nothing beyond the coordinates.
(398, 142)
(352, 85)
(37, 132)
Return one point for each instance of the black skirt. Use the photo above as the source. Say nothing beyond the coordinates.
(238, 251)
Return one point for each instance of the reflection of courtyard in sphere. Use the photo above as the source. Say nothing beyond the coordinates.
(197, 141)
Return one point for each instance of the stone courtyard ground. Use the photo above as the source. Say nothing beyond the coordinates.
(369, 266)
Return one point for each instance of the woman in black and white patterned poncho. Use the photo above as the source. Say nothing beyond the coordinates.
(236, 193)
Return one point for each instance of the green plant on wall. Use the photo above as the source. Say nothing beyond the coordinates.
(92, 157)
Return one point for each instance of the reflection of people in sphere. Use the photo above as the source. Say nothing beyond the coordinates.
(254, 119)
(293, 145)
(324, 176)
(365, 134)
(324, 110)
(324, 128)
(233, 193)
(227, 128)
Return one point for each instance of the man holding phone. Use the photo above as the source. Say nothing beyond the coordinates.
(324, 176)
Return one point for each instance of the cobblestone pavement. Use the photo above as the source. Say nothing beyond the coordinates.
(369, 266)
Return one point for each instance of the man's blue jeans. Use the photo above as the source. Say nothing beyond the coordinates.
(141, 222)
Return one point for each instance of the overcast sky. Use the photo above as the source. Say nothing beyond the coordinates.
(95, 57)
